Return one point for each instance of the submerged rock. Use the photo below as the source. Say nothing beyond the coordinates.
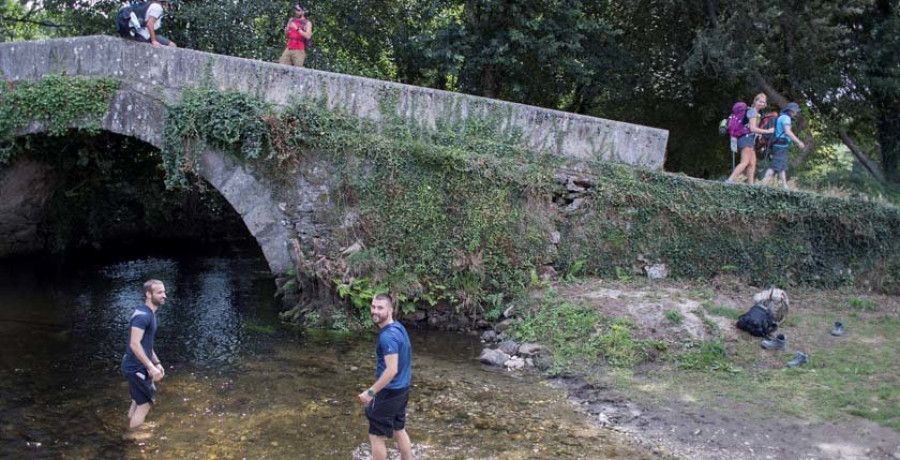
(493, 357)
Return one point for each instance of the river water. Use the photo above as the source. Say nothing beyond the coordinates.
(239, 384)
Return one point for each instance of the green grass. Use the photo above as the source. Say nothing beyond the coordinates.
(854, 375)
(675, 317)
(706, 356)
(719, 310)
(578, 335)
(702, 293)
(862, 304)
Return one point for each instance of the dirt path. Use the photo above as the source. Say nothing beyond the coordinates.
(731, 432)
(716, 425)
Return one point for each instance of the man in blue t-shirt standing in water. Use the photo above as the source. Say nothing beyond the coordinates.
(386, 399)
(140, 365)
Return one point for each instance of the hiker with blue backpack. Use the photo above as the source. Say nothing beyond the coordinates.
(743, 124)
(781, 144)
(140, 21)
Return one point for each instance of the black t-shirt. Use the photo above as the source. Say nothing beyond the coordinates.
(142, 318)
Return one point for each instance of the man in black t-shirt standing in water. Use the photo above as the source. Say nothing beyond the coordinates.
(140, 365)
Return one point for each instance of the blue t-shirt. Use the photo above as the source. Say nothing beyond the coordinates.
(393, 340)
(142, 318)
(781, 137)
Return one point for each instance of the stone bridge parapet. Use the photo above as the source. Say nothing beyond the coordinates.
(163, 72)
(154, 77)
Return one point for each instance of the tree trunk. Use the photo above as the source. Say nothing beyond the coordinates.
(864, 159)
(488, 81)
(889, 138)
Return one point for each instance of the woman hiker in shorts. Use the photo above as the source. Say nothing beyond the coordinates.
(783, 137)
(747, 142)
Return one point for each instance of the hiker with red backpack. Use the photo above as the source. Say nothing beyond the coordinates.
(782, 143)
(298, 31)
(743, 124)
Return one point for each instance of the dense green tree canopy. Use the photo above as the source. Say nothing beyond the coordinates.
(678, 65)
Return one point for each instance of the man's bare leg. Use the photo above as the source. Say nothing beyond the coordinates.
(131, 409)
(403, 444)
(379, 450)
(137, 418)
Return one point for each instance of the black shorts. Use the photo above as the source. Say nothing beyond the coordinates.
(387, 412)
(141, 387)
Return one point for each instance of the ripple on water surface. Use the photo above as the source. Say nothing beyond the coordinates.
(241, 385)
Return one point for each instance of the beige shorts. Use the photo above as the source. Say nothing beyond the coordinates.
(292, 57)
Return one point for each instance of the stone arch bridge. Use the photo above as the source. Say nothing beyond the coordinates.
(152, 77)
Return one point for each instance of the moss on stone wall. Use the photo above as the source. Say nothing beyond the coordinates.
(462, 213)
(57, 101)
(701, 229)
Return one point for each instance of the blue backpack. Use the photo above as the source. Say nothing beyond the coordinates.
(780, 138)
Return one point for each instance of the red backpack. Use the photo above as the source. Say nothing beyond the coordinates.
(764, 141)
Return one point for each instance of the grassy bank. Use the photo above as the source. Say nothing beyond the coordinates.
(857, 374)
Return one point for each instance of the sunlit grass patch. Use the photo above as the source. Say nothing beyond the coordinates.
(719, 310)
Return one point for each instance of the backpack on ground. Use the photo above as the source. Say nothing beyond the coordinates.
(759, 321)
(764, 141)
(737, 121)
(130, 18)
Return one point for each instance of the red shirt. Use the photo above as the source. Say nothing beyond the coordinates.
(295, 41)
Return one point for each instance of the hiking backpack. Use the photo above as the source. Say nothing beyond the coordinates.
(759, 321)
(124, 25)
(764, 141)
(737, 121)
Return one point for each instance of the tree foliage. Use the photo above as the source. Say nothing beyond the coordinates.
(678, 65)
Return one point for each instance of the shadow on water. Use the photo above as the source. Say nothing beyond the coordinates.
(240, 384)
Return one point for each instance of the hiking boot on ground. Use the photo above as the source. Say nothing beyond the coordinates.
(838, 329)
(798, 360)
(776, 344)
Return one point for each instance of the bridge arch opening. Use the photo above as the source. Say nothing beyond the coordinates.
(105, 193)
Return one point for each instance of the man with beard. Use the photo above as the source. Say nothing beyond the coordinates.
(386, 399)
(140, 365)
(298, 31)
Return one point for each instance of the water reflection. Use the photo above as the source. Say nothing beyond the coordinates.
(239, 384)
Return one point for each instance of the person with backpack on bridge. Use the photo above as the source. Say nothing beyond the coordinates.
(784, 136)
(299, 32)
(743, 124)
(140, 21)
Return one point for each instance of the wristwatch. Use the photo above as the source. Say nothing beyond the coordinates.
(370, 392)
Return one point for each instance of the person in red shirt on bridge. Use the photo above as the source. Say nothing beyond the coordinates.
(298, 31)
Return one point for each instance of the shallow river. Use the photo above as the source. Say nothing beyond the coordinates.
(239, 384)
